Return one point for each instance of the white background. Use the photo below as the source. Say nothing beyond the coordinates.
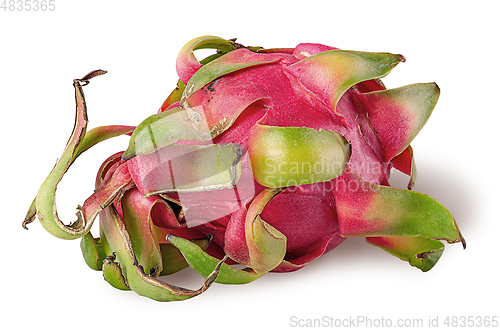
(44, 280)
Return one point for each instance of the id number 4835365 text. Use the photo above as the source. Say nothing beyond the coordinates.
(28, 5)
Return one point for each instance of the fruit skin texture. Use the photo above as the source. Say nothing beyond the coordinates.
(268, 158)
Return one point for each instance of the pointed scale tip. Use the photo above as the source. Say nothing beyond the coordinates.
(26, 222)
(30, 215)
(91, 75)
(437, 87)
(168, 237)
(127, 155)
(461, 238)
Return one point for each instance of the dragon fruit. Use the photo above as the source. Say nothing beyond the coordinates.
(265, 158)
